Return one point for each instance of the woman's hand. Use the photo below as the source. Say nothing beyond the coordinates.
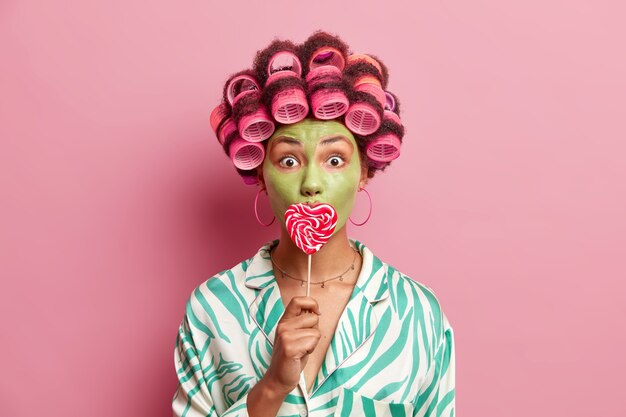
(297, 335)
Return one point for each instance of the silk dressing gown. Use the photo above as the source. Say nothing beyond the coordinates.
(392, 353)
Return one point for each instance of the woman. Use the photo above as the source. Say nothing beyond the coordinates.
(367, 340)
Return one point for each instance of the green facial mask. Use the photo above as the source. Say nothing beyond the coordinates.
(312, 161)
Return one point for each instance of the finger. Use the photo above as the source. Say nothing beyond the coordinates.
(308, 344)
(302, 344)
(299, 304)
(302, 321)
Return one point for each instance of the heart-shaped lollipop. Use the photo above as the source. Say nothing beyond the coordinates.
(310, 227)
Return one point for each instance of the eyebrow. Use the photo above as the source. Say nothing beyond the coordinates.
(287, 139)
(325, 142)
(332, 140)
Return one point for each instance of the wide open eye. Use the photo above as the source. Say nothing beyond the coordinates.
(336, 161)
(289, 162)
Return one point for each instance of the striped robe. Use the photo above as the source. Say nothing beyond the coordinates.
(392, 353)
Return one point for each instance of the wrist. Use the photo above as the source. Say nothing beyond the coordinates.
(264, 400)
(273, 389)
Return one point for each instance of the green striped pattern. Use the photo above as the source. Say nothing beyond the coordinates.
(392, 353)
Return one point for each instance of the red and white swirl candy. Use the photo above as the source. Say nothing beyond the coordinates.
(310, 227)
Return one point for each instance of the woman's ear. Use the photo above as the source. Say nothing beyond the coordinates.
(364, 178)
(259, 173)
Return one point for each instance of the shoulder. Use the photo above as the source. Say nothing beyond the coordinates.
(220, 294)
(407, 296)
(227, 294)
(415, 300)
(413, 289)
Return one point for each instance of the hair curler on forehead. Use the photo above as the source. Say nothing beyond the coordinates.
(320, 78)
(327, 91)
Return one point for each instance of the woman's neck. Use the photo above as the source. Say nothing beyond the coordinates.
(330, 261)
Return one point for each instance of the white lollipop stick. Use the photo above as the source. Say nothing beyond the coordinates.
(308, 279)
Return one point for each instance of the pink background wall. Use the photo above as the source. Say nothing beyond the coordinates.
(508, 199)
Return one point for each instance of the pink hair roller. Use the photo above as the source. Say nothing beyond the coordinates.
(374, 90)
(371, 85)
(362, 57)
(390, 102)
(392, 116)
(221, 123)
(284, 62)
(246, 155)
(227, 128)
(218, 114)
(289, 105)
(327, 104)
(256, 126)
(240, 86)
(362, 119)
(384, 148)
(327, 55)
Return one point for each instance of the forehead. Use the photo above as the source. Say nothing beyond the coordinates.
(312, 131)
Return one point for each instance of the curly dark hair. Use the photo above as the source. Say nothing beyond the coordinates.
(322, 64)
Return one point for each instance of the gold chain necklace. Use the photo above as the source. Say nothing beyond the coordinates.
(302, 282)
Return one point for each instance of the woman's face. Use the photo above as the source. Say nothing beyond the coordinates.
(313, 161)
